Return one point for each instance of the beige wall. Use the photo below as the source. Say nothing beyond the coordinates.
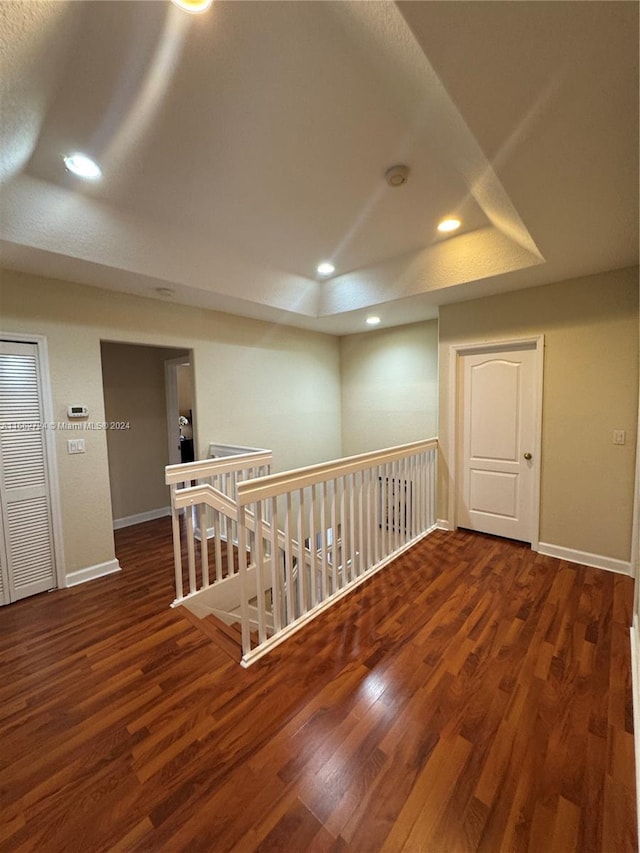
(264, 385)
(389, 387)
(256, 384)
(590, 389)
(134, 393)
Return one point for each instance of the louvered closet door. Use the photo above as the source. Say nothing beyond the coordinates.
(26, 550)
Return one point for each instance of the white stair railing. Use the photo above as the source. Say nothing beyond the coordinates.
(204, 509)
(307, 537)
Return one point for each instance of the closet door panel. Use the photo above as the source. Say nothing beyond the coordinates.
(27, 546)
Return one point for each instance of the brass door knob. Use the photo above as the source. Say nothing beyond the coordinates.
(528, 456)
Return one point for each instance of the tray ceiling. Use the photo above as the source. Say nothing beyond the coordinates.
(241, 147)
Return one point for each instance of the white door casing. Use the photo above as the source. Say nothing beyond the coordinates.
(27, 550)
(171, 366)
(497, 423)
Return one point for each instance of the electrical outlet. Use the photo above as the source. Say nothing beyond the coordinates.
(619, 436)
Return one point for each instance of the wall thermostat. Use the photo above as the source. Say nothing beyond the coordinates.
(77, 411)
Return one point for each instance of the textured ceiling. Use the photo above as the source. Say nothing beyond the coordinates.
(241, 147)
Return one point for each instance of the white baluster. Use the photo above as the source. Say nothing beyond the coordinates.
(404, 521)
(313, 549)
(257, 560)
(191, 558)
(244, 586)
(412, 497)
(376, 498)
(324, 543)
(177, 545)
(276, 577)
(367, 537)
(361, 544)
(288, 561)
(433, 468)
(217, 544)
(352, 512)
(303, 600)
(344, 532)
(204, 545)
(334, 534)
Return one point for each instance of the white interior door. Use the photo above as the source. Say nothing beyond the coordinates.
(26, 538)
(498, 430)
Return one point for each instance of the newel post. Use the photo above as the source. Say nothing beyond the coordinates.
(177, 548)
(244, 585)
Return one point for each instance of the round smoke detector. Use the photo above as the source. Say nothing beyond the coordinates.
(396, 176)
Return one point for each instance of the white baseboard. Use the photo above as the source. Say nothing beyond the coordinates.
(141, 517)
(92, 572)
(596, 561)
(442, 524)
(634, 637)
(211, 534)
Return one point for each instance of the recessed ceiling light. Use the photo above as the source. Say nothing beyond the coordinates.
(373, 321)
(449, 225)
(325, 268)
(193, 6)
(82, 166)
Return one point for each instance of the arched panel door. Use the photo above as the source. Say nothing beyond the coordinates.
(498, 438)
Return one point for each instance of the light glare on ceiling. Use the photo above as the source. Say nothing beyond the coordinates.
(449, 225)
(325, 268)
(193, 6)
(82, 166)
(373, 320)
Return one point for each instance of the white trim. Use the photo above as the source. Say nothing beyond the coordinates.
(90, 573)
(635, 533)
(141, 517)
(634, 639)
(211, 534)
(171, 396)
(442, 524)
(274, 485)
(220, 451)
(50, 444)
(456, 351)
(202, 468)
(596, 561)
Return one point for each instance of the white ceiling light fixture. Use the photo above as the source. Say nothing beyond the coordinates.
(448, 225)
(325, 268)
(397, 176)
(373, 320)
(195, 7)
(82, 166)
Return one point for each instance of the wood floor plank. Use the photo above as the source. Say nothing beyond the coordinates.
(424, 807)
(472, 696)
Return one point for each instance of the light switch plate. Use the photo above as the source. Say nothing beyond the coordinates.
(619, 436)
(75, 445)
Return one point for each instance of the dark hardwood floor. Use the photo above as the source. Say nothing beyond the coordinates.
(473, 696)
